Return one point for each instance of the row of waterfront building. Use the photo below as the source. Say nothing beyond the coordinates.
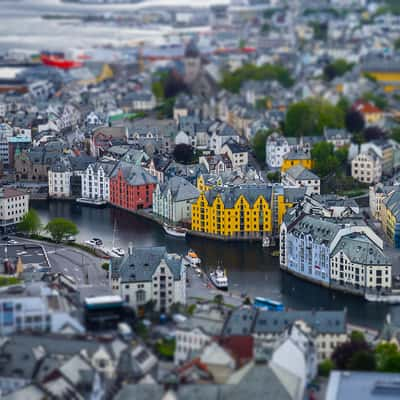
(325, 240)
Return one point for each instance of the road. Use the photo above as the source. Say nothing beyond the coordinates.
(83, 267)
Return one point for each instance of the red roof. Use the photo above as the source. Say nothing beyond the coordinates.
(366, 107)
(241, 347)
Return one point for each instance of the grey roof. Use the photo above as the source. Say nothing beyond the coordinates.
(107, 166)
(297, 155)
(333, 322)
(336, 134)
(361, 250)
(393, 204)
(294, 194)
(135, 156)
(234, 146)
(241, 321)
(180, 188)
(334, 200)
(352, 385)
(209, 321)
(322, 230)
(255, 381)
(298, 172)
(230, 195)
(249, 320)
(142, 264)
(133, 174)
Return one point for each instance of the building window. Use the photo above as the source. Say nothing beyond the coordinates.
(140, 296)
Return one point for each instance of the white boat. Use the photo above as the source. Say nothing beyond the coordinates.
(173, 231)
(193, 258)
(219, 279)
(95, 242)
(92, 202)
(117, 252)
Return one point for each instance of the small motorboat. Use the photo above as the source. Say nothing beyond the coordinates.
(219, 279)
(117, 252)
(193, 258)
(95, 242)
(175, 231)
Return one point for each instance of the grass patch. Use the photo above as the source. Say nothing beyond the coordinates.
(9, 280)
(166, 348)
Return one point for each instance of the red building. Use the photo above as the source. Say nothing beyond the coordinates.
(131, 187)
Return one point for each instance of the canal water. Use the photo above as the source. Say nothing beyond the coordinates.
(251, 269)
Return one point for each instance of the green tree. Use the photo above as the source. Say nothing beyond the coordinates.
(343, 104)
(325, 161)
(61, 228)
(30, 222)
(337, 68)
(158, 89)
(363, 360)
(219, 299)
(357, 336)
(274, 176)
(380, 101)
(397, 44)
(310, 117)
(387, 357)
(396, 134)
(325, 368)
(258, 144)
(232, 81)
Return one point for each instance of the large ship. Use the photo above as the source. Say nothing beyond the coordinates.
(58, 60)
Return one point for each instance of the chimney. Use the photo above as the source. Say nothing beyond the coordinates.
(130, 249)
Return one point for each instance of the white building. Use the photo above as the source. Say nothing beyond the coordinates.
(357, 262)
(377, 195)
(220, 133)
(14, 204)
(338, 137)
(366, 167)
(326, 329)
(173, 200)
(237, 154)
(6, 131)
(143, 101)
(96, 181)
(38, 310)
(276, 147)
(302, 177)
(346, 254)
(197, 331)
(59, 180)
(149, 274)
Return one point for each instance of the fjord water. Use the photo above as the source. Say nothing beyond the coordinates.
(251, 269)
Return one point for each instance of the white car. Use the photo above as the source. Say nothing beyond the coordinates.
(12, 241)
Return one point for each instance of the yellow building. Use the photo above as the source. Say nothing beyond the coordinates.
(386, 72)
(205, 182)
(296, 157)
(390, 218)
(242, 212)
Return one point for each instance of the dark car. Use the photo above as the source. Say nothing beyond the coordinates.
(5, 238)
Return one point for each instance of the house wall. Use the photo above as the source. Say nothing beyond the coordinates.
(130, 197)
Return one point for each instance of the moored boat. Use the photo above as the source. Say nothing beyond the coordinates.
(91, 202)
(219, 279)
(193, 258)
(175, 231)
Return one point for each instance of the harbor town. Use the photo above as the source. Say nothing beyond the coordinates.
(200, 200)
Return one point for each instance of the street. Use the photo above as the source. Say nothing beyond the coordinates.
(83, 267)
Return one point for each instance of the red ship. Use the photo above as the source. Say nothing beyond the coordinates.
(58, 60)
